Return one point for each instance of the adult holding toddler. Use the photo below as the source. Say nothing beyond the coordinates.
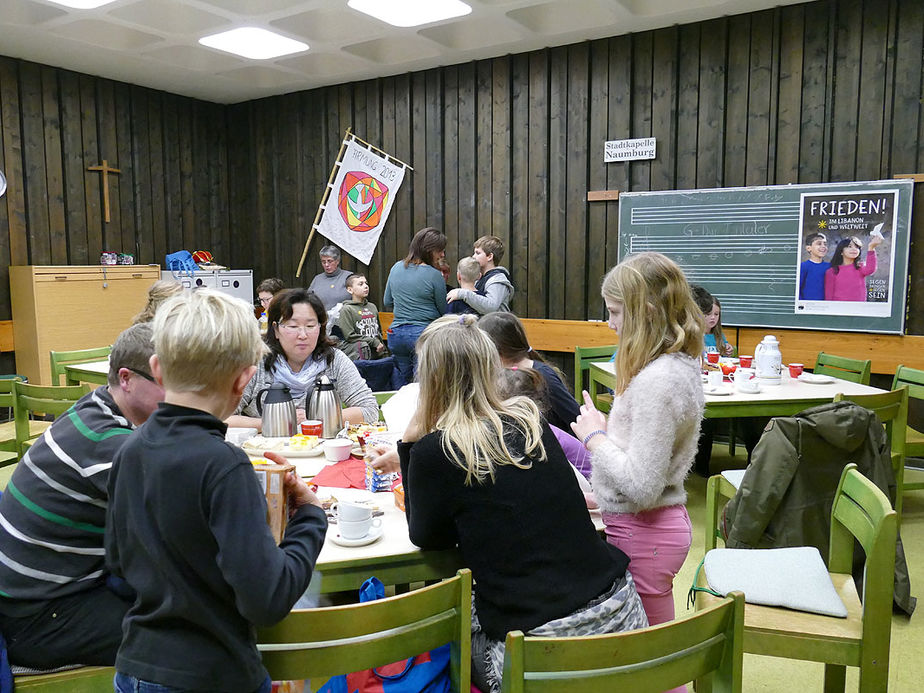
(643, 452)
(300, 351)
(485, 473)
(186, 524)
(416, 291)
(493, 290)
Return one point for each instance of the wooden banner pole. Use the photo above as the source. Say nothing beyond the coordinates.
(324, 198)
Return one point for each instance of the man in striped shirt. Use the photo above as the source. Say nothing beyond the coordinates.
(57, 606)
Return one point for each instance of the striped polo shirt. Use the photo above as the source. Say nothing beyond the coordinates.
(53, 511)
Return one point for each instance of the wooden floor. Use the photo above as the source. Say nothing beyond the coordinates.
(773, 675)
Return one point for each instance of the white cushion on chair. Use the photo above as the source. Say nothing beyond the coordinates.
(794, 578)
(734, 476)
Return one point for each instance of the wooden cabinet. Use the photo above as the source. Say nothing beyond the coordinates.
(58, 308)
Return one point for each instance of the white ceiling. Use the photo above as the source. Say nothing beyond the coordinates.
(154, 43)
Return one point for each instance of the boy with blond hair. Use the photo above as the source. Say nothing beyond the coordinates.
(359, 322)
(186, 524)
(468, 272)
(494, 290)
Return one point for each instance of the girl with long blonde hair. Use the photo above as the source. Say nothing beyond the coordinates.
(643, 451)
(486, 474)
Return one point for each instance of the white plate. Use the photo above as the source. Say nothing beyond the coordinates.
(362, 541)
(815, 379)
(716, 391)
(254, 447)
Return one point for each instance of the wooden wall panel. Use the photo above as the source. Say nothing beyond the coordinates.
(824, 91)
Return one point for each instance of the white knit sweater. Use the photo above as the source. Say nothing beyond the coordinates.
(651, 438)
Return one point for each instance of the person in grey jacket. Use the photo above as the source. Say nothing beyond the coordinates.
(494, 290)
(330, 285)
(300, 351)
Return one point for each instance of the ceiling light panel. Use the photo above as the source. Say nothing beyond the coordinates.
(254, 43)
(83, 4)
(405, 13)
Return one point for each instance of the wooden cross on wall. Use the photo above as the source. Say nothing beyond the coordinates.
(105, 169)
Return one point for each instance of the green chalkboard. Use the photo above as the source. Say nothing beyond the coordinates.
(748, 247)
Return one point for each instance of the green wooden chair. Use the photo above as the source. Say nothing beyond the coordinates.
(583, 357)
(892, 410)
(854, 370)
(706, 646)
(44, 399)
(79, 680)
(324, 642)
(9, 449)
(60, 359)
(861, 513)
(913, 379)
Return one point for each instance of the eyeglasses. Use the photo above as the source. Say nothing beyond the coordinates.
(298, 329)
(265, 301)
(146, 376)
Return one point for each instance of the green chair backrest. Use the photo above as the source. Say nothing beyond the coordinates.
(862, 512)
(705, 645)
(60, 359)
(912, 378)
(46, 399)
(583, 357)
(854, 370)
(7, 398)
(323, 642)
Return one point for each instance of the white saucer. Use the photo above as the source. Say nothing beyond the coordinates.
(815, 379)
(716, 391)
(374, 534)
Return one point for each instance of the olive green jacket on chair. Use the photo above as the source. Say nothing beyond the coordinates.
(787, 492)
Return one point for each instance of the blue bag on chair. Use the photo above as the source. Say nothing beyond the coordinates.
(425, 673)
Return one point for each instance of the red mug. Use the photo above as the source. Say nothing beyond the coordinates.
(745, 361)
(712, 357)
(312, 427)
(795, 370)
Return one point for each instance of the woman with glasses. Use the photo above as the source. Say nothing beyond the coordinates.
(265, 291)
(300, 351)
(845, 280)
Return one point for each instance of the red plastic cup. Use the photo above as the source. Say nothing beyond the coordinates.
(745, 361)
(712, 357)
(795, 370)
(312, 427)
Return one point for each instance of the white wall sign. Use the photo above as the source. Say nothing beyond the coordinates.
(629, 150)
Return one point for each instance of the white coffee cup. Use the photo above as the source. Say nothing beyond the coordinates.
(751, 386)
(351, 512)
(715, 378)
(359, 528)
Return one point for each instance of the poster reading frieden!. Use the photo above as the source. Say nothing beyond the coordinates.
(846, 257)
(360, 200)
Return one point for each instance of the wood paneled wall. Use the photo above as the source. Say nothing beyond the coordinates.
(825, 91)
(171, 193)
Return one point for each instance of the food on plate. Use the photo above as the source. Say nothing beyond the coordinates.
(354, 431)
(297, 443)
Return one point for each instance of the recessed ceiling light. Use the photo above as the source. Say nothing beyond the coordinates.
(254, 43)
(83, 4)
(411, 12)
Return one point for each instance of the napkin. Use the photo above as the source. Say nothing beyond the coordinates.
(351, 473)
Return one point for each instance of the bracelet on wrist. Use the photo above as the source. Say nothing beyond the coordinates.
(590, 435)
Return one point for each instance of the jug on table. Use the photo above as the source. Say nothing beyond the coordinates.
(768, 361)
(277, 410)
(324, 405)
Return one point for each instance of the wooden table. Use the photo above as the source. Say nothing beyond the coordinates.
(786, 399)
(96, 372)
(393, 559)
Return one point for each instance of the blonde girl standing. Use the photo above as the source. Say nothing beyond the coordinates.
(642, 453)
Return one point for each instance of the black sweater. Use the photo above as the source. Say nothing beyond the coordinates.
(186, 527)
(527, 537)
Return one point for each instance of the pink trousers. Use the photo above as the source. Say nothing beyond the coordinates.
(656, 542)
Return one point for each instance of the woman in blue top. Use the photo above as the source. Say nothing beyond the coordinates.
(416, 291)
